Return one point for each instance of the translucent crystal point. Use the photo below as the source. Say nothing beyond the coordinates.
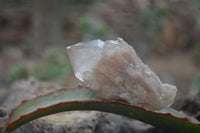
(82, 59)
(114, 71)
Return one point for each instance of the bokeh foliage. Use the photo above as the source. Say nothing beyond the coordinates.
(53, 66)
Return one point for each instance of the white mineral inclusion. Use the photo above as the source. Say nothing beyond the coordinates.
(114, 71)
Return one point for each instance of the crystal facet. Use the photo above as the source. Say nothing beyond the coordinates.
(114, 71)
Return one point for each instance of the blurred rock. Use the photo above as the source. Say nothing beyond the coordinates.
(3, 94)
(73, 122)
(3, 112)
(192, 106)
(110, 123)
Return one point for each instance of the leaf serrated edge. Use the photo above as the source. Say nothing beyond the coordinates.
(12, 125)
(52, 92)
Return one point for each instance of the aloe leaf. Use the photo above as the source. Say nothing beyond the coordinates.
(81, 98)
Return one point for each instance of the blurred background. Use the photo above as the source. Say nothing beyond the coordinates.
(35, 33)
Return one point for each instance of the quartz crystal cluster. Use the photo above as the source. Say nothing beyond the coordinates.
(114, 71)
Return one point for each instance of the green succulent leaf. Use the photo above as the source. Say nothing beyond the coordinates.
(81, 98)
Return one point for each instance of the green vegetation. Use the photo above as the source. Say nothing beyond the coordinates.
(151, 19)
(196, 53)
(19, 71)
(92, 30)
(54, 66)
(195, 87)
(77, 2)
(71, 5)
